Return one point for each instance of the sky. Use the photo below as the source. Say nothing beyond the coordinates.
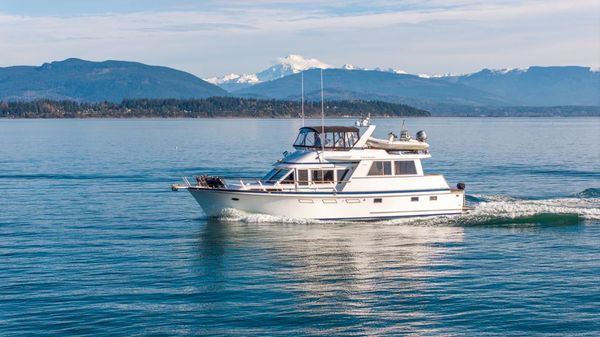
(212, 38)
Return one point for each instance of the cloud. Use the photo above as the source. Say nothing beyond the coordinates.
(193, 27)
(220, 37)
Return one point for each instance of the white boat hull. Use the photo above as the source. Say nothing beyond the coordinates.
(329, 206)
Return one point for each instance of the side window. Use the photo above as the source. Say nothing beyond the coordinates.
(341, 175)
(309, 140)
(339, 140)
(317, 176)
(300, 140)
(302, 177)
(328, 175)
(321, 176)
(351, 138)
(328, 139)
(405, 167)
(381, 168)
(289, 179)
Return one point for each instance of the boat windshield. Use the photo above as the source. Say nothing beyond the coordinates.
(275, 175)
(329, 137)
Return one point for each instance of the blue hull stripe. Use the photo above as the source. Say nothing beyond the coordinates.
(318, 193)
(390, 217)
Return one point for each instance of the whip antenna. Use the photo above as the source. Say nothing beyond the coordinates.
(302, 104)
(322, 116)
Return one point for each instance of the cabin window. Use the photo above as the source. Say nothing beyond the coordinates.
(306, 137)
(310, 139)
(351, 139)
(327, 137)
(433, 198)
(378, 200)
(270, 174)
(302, 177)
(338, 138)
(289, 179)
(279, 175)
(341, 175)
(381, 168)
(300, 139)
(414, 199)
(321, 176)
(405, 167)
(317, 176)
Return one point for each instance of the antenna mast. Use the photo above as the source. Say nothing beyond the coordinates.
(302, 86)
(322, 116)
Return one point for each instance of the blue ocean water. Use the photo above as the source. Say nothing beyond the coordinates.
(93, 242)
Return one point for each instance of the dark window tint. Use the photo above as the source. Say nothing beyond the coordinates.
(414, 199)
(341, 175)
(381, 168)
(320, 176)
(302, 177)
(289, 179)
(405, 167)
(270, 174)
(317, 176)
(280, 174)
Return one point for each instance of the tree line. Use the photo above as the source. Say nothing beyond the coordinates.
(211, 107)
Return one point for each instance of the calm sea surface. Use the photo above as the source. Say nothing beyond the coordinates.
(93, 242)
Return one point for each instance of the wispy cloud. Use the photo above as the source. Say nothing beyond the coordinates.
(216, 37)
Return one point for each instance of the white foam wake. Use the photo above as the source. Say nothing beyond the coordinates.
(585, 208)
(498, 207)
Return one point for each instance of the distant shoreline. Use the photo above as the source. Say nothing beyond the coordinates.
(250, 108)
(230, 107)
(317, 119)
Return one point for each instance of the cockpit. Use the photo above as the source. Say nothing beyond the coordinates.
(326, 137)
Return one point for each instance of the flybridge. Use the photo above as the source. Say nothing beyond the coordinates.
(326, 137)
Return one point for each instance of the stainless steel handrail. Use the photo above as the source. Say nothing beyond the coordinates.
(264, 184)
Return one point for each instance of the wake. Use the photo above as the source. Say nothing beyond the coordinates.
(485, 210)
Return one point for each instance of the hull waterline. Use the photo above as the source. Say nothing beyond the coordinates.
(329, 206)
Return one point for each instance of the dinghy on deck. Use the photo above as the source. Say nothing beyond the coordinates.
(397, 145)
(404, 143)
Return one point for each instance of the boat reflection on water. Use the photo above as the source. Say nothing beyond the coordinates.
(346, 270)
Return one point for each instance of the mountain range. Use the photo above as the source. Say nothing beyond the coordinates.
(86, 81)
(291, 64)
(80, 80)
(533, 86)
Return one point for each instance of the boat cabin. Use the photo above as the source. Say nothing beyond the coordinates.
(339, 158)
(339, 138)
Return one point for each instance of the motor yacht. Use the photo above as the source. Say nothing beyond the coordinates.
(335, 173)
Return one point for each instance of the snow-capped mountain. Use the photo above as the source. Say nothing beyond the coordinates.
(349, 66)
(229, 78)
(291, 64)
